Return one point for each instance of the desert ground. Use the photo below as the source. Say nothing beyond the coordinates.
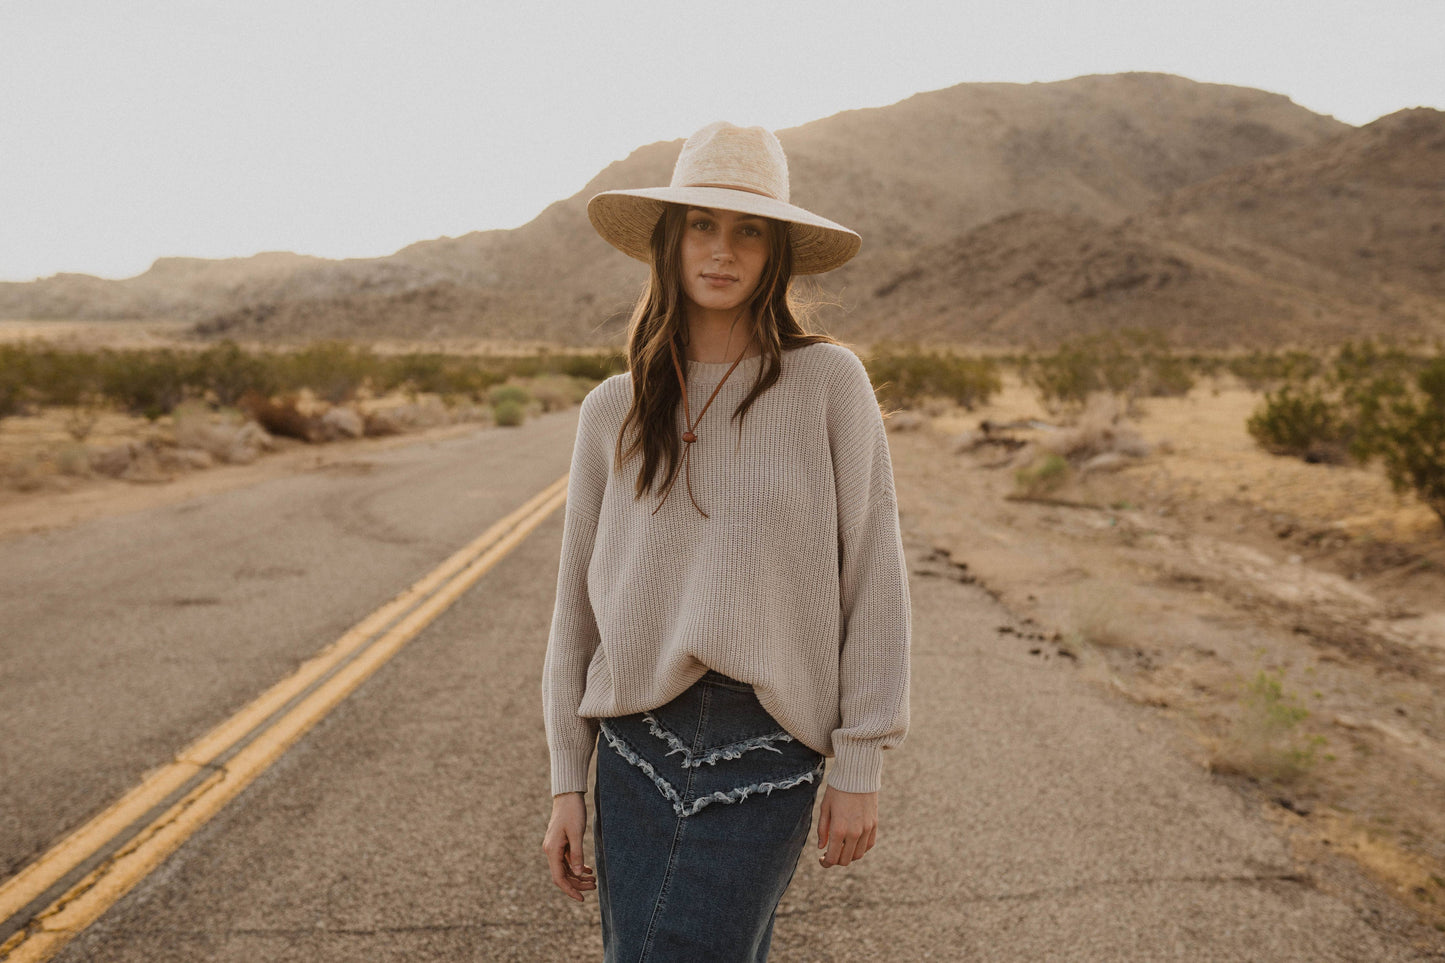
(1171, 577)
(1176, 578)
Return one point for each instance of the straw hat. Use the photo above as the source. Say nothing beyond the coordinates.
(731, 168)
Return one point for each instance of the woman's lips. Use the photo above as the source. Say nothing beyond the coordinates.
(718, 280)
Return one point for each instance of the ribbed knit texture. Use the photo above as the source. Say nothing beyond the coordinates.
(796, 584)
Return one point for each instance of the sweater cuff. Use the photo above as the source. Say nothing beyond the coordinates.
(569, 769)
(857, 767)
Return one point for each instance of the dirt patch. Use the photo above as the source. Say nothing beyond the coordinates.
(1195, 576)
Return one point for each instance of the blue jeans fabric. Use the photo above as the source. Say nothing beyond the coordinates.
(701, 810)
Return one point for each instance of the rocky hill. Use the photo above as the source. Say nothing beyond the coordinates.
(997, 213)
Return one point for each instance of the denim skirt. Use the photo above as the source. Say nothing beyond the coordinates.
(701, 811)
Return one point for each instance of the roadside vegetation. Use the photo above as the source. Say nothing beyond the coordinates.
(1276, 601)
(1365, 402)
(1357, 404)
(184, 408)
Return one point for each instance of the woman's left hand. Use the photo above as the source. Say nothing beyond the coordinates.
(847, 825)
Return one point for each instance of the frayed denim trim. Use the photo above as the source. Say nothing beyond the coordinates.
(731, 796)
(733, 751)
(742, 792)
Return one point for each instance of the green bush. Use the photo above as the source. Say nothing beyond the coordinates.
(508, 412)
(1405, 429)
(147, 383)
(1370, 402)
(151, 382)
(1042, 476)
(1265, 742)
(1130, 363)
(334, 370)
(228, 373)
(906, 376)
(14, 365)
(1301, 420)
(1264, 370)
(509, 394)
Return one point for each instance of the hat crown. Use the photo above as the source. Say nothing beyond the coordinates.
(742, 158)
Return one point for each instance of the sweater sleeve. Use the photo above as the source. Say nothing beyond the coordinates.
(574, 637)
(873, 663)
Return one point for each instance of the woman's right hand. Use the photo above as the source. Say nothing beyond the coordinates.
(563, 845)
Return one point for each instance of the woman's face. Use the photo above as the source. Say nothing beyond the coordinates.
(723, 257)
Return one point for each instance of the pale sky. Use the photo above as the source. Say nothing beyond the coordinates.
(137, 129)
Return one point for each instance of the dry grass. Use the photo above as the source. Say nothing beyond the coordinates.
(1267, 742)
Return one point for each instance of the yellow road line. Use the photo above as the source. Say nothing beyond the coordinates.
(100, 888)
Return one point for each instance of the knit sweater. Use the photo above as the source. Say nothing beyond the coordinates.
(795, 584)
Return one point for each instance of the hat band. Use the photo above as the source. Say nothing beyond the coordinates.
(734, 187)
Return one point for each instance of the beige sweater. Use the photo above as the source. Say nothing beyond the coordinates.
(796, 584)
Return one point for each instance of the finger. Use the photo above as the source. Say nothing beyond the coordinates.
(583, 878)
(561, 873)
(559, 876)
(824, 818)
(835, 849)
(574, 847)
(872, 837)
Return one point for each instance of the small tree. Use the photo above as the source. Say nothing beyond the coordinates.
(1299, 419)
(1406, 431)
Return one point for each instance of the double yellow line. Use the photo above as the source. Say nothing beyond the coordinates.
(135, 834)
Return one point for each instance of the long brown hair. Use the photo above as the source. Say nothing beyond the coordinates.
(659, 318)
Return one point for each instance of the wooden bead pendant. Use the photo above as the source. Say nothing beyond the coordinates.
(689, 436)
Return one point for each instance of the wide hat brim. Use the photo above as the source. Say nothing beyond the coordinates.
(625, 219)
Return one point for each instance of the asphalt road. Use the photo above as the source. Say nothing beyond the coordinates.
(1028, 816)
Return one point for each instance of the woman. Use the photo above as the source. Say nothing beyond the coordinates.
(725, 644)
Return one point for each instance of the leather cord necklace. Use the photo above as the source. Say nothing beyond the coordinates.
(690, 435)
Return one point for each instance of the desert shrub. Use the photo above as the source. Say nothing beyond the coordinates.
(1130, 363)
(334, 370)
(1404, 426)
(147, 383)
(1301, 420)
(450, 376)
(1265, 370)
(1370, 402)
(13, 380)
(594, 366)
(509, 393)
(227, 372)
(509, 403)
(1265, 743)
(152, 382)
(1166, 376)
(64, 377)
(508, 412)
(905, 376)
(1042, 476)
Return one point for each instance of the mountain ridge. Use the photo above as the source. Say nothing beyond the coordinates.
(1155, 199)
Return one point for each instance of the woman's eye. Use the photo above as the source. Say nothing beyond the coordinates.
(700, 225)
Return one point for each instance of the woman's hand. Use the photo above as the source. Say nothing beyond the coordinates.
(563, 845)
(847, 825)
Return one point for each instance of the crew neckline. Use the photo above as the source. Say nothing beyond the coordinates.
(710, 372)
